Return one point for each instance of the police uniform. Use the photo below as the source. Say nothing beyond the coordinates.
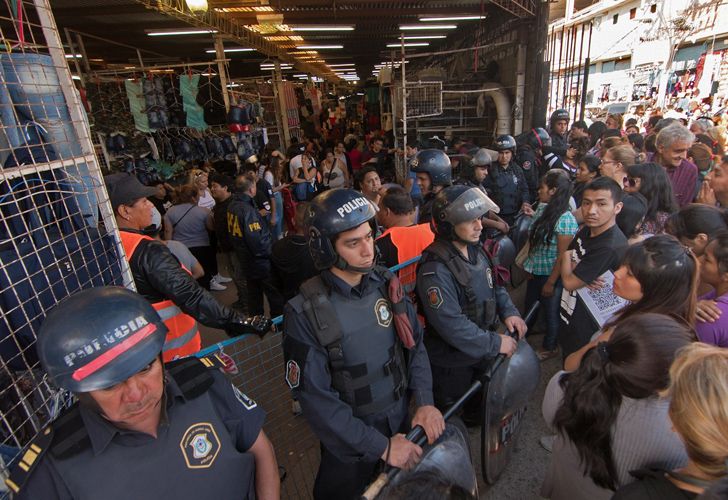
(200, 450)
(461, 303)
(353, 393)
(508, 188)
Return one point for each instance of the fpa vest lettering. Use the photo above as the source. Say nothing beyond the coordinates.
(352, 205)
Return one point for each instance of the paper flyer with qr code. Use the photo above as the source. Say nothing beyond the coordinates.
(602, 303)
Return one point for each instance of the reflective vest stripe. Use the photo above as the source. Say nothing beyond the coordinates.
(183, 338)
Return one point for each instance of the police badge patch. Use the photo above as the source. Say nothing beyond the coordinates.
(293, 374)
(526, 165)
(200, 445)
(383, 312)
(434, 297)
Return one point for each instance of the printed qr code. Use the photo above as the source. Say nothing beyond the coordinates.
(605, 299)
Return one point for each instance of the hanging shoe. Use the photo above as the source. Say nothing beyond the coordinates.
(221, 279)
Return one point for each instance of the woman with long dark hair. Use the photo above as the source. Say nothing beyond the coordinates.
(552, 230)
(608, 413)
(588, 171)
(695, 225)
(651, 181)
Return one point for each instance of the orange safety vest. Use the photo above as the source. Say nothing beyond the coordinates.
(410, 242)
(183, 338)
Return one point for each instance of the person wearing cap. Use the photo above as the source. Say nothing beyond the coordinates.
(461, 300)
(140, 429)
(354, 354)
(161, 279)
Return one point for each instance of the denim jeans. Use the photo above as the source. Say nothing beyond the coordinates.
(34, 93)
(550, 306)
(277, 230)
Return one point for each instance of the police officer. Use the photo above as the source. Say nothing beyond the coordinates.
(160, 278)
(472, 174)
(140, 429)
(460, 300)
(559, 131)
(433, 172)
(354, 353)
(253, 244)
(505, 182)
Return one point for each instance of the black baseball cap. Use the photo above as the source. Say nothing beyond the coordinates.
(125, 189)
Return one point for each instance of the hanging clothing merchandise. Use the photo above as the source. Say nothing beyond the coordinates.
(189, 88)
(137, 104)
(156, 104)
(173, 99)
(209, 96)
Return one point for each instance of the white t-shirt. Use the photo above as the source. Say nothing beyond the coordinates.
(206, 200)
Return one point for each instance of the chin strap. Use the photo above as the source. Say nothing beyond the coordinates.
(345, 266)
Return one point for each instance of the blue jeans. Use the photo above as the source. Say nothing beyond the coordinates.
(34, 95)
(549, 305)
(277, 230)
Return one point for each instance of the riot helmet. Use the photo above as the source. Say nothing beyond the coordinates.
(559, 114)
(333, 212)
(98, 338)
(505, 143)
(482, 158)
(436, 164)
(456, 204)
(542, 139)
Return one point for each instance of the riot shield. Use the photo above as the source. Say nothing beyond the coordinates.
(505, 396)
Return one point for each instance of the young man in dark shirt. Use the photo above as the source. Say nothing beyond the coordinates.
(598, 247)
(291, 259)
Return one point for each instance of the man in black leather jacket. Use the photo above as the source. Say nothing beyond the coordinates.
(160, 278)
(252, 241)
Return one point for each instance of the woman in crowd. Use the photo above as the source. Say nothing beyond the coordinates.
(596, 130)
(609, 142)
(614, 121)
(341, 154)
(608, 413)
(616, 161)
(658, 275)
(334, 172)
(631, 217)
(714, 190)
(695, 225)
(305, 178)
(650, 180)
(189, 223)
(714, 272)
(352, 149)
(574, 154)
(551, 231)
(274, 173)
(199, 179)
(698, 412)
(587, 172)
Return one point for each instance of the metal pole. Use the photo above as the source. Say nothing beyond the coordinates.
(572, 65)
(279, 92)
(222, 70)
(404, 93)
(567, 41)
(558, 73)
(587, 68)
(520, 87)
(72, 48)
(581, 70)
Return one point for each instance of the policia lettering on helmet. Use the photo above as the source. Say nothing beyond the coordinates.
(354, 353)
(505, 182)
(162, 280)
(140, 429)
(433, 172)
(460, 299)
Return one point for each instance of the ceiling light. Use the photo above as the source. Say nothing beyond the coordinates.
(424, 37)
(313, 27)
(418, 44)
(75, 77)
(340, 65)
(238, 49)
(73, 56)
(406, 27)
(319, 47)
(180, 32)
(453, 18)
(302, 75)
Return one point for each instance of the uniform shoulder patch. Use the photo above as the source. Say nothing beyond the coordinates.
(383, 311)
(29, 460)
(434, 297)
(526, 165)
(293, 374)
(295, 353)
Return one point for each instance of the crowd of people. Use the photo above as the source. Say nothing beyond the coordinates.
(626, 213)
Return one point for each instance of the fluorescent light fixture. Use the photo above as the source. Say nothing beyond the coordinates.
(425, 37)
(319, 47)
(73, 56)
(300, 76)
(323, 27)
(453, 18)
(417, 44)
(340, 65)
(75, 77)
(237, 49)
(406, 27)
(180, 32)
(233, 85)
(208, 74)
(197, 6)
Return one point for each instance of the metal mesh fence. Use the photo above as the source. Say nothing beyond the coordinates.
(421, 99)
(56, 228)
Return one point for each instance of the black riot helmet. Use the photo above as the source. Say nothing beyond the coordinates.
(435, 163)
(538, 138)
(505, 143)
(333, 212)
(456, 204)
(559, 114)
(482, 158)
(98, 338)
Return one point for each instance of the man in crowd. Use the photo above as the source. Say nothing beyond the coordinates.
(460, 300)
(473, 174)
(292, 262)
(354, 353)
(673, 143)
(160, 278)
(597, 248)
(370, 184)
(410, 183)
(375, 156)
(221, 188)
(140, 429)
(505, 182)
(251, 238)
(434, 172)
(579, 129)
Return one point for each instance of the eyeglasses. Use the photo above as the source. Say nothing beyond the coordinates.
(609, 161)
(631, 181)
